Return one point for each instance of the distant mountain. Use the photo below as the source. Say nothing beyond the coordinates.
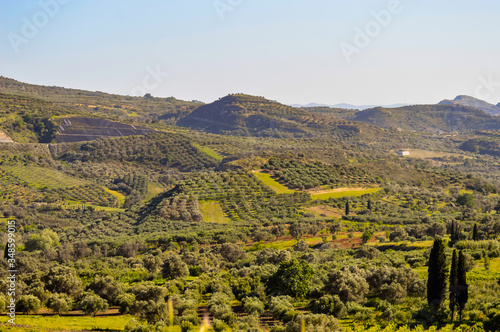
(433, 118)
(473, 102)
(347, 106)
(245, 115)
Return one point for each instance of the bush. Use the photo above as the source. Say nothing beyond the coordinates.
(174, 267)
(476, 245)
(328, 304)
(28, 304)
(253, 306)
(92, 303)
(282, 308)
(59, 303)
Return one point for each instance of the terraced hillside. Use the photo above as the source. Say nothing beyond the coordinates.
(80, 129)
(241, 195)
(154, 149)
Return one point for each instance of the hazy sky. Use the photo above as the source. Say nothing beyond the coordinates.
(293, 51)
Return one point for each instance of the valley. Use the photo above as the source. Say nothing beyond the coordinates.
(157, 214)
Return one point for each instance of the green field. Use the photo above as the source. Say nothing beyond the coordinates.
(212, 212)
(76, 205)
(153, 190)
(43, 177)
(273, 184)
(67, 323)
(119, 196)
(337, 194)
(209, 152)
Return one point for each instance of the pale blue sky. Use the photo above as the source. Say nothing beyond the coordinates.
(287, 50)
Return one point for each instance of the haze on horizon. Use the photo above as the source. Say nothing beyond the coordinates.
(292, 51)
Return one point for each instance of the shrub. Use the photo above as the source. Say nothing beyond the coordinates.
(253, 306)
(59, 303)
(28, 304)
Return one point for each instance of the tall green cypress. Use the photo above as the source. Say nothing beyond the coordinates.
(462, 286)
(452, 231)
(436, 282)
(369, 205)
(347, 208)
(474, 233)
(453, 283)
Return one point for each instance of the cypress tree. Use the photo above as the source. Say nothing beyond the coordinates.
(436, 282)
(462, 286)
(347, 208)
(369, 206)
(452, 232)
(453, 283)
(474, 233)
(6, 252)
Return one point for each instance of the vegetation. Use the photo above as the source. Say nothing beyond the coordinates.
(312, 223)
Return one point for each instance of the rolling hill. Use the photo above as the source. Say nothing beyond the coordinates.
(246, 115)
(110, 106)
(473, 102)
(430, 118)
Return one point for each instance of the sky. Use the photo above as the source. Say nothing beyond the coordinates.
(362, 52)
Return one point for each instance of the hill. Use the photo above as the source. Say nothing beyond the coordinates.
(347, 106)
(245, 115)
(473, 102)
(430, 118)
(110, 106)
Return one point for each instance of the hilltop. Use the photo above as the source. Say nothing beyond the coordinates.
(473, 102)
(245, 115)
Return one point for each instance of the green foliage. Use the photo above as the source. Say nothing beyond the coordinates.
(467, 200)
(302, 175)
(282, 308)
(436, 282)
(462, 289)
(292, 278)
(92, 304)
(174, 267)
(328, 304)
(63, 279)
(366, 236)
(59, 303)
(253, 306)
(28, 304)
(44, 241)
(155, 149)
(348, 283)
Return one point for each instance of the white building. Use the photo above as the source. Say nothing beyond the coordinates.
(403, 152)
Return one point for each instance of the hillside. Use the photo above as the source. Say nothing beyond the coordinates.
(125, 213)
(110, 106)
(245, 115)
(429, 118)
(473, 102)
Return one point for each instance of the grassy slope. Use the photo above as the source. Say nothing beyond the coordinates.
(67, 323)
(273, 184)
(212, 212)
(336, 193)
(209, 152)
(41, 177)
(119, 196)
